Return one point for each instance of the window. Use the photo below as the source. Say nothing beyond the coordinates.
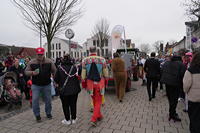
(102, 43)
(78, 54)
(94, 42)
(102, 52)
(106, 52)
(97, 43)
(52, 46)
(59, 46)
(56, 54)
(63, 53)
(53, 54)
(56, 46)
(106, 42)
(75, 54)
(98, 53)
(59, 53)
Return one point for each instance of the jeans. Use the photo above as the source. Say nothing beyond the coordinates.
(46, 91)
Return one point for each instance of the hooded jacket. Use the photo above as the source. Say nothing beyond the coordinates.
(173, 72)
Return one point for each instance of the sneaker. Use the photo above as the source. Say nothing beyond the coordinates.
(49, 116)
(66, 122)
(38, 118)
(150, 99)
(100, 118)
(74, 121)
(93, 123)
(91, 110)
(180, 100)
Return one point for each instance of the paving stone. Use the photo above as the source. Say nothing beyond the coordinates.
(171, 129)
(151, 131)
(115, 126)
(138, 130)
(135, 115)
(127, 128)
(119, 131)
(105, 130)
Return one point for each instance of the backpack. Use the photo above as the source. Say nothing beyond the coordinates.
(93, 73)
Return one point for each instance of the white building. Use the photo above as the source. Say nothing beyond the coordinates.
(60, 47)
(93, 41)
(179, 45)
(111, 45)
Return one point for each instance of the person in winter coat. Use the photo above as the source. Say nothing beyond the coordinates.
(67, 79)
(119, 75)
(41, 69)
(152, 69)
(172, 77)
(191, 88)
(19, 71)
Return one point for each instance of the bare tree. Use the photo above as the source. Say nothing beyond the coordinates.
(101, 32)
(49, 16)
(172, 42)
(192, 9)
(156, 46)
(145, 47)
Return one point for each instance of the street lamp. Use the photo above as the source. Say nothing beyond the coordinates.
(69, 33)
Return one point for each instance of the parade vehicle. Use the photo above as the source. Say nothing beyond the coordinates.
(128, 55)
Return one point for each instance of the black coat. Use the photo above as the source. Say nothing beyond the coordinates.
(73, 85)
(152, 68)
(173, 72)
(20, 79)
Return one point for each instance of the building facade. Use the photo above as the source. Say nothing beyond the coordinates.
(60, 47)
(105, 51)
(179, 45)
(109, 46)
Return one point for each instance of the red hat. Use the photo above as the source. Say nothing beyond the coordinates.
(40, 50)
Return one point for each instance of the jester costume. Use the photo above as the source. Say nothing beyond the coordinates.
(94, 74)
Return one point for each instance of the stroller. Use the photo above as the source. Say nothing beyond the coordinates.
(9, 94)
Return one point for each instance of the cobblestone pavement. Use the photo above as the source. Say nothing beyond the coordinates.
(136, 114)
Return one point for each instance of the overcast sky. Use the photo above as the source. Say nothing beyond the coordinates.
(145, 21)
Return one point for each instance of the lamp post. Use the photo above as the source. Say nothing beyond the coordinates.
(40, 27)
(40, 35)
(69, 33)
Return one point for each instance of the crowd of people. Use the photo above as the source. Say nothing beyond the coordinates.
(179, 73)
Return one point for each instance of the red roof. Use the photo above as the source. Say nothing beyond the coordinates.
(27, 52)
